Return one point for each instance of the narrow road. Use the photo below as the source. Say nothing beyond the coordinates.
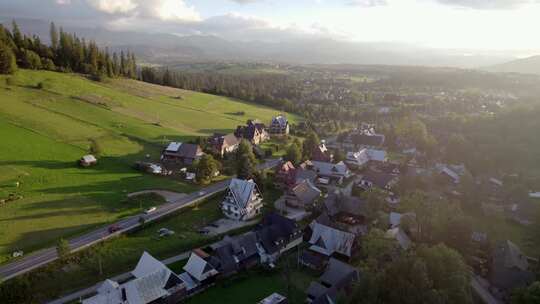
(45, 256)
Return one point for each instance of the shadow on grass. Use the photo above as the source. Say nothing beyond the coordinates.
(53, 235)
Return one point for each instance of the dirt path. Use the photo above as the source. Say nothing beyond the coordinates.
(169, 196)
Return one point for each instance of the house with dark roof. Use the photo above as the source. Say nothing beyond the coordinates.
(234, 254)
(254, 131)
(509, 267)
(224, 144)
(302, 195)
(279, 126)
(243, 200)
(182, 153)
(321, 153)
(151, 282)
(367, 140)
(337, 279)
(381, 180)
(276, 235)
(285, 176)
(346, 213)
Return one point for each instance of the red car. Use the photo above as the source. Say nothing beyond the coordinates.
(114, 228)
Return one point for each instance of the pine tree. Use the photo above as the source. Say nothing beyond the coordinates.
(54, 36)
(245, 160)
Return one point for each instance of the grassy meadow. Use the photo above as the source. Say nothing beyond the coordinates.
(49, 120)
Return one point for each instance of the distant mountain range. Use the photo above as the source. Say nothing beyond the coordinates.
(171, 49)
(529, 65)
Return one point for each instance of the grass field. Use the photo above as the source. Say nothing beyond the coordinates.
(47, 122)
(254, 285)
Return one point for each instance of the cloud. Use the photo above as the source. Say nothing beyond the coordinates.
(113, 6)
(487, 4)
(246, 1)
(367, 3)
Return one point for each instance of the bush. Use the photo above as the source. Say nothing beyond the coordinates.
(8, 64)
(31, 60)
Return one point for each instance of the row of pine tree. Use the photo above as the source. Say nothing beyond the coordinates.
(66, 53)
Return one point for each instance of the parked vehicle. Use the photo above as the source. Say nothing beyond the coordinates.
(18, 253)
(165, 232)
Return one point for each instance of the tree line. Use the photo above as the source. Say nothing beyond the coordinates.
(66, 53)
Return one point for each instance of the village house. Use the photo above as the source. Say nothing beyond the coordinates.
(151, 282)
(346, 213)
(452, 173)
(321, 154)
(224, 144)
(305, 172)
(279, 126)
(182, 153)
(337, 279)
(328, 241)
(243, 200)
(285, 176)
(234, 254)
(380, 180)
(364, 157)
(302, 195)
(199, 271)
(509, 267)
(277, 235)
(333, 172)
(367, 139)
(254, 132)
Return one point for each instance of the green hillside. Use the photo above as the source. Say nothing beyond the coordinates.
(48, 121)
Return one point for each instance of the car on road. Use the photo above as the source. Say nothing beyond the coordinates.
(114, 228)
(150, 210)
(201, 193)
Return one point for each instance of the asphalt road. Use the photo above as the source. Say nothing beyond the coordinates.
(45, 256)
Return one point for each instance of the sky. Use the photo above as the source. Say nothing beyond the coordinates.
(449, 24)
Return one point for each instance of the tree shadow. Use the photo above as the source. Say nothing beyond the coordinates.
(28, 239)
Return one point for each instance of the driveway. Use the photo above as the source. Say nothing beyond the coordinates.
(291, 213)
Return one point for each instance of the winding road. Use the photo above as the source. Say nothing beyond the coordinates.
(45, 256)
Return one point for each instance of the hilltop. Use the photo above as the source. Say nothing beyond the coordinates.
(48, 120)
(529, 65)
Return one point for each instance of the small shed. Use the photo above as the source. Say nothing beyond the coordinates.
(88, 160)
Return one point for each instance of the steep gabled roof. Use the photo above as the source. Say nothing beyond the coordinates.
(199, 268)
(148, 264)
(509, 255)
(339, 274)
(280, 120)
(400, 236)
(306, 192)
(334, 240)
(242, 190)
